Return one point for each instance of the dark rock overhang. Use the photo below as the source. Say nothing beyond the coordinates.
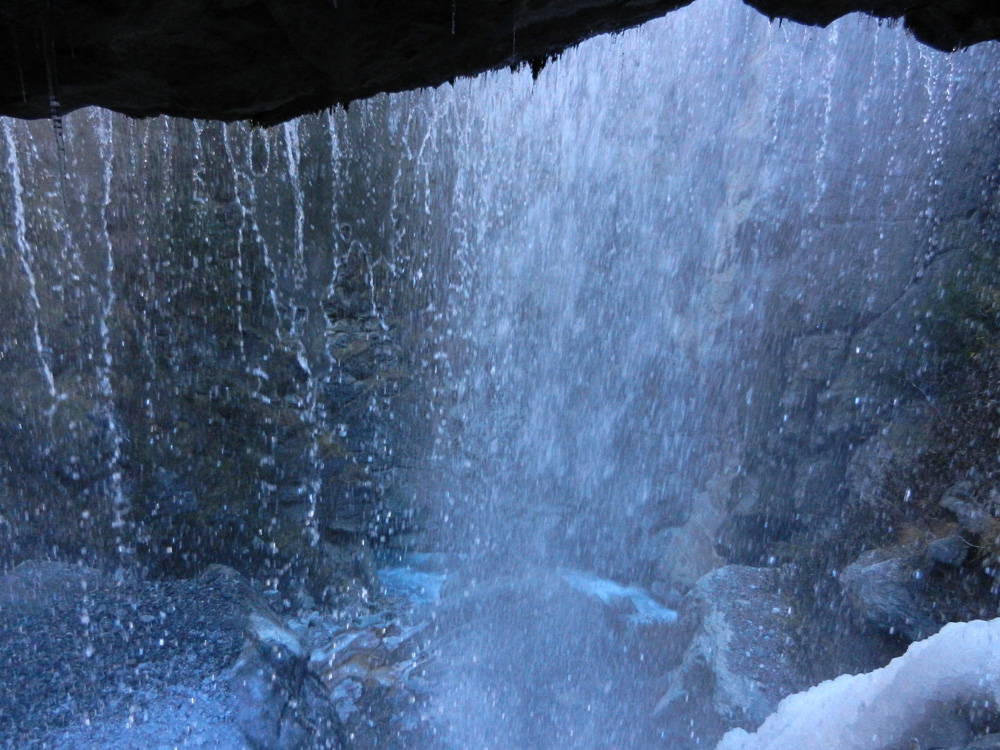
(271, 60)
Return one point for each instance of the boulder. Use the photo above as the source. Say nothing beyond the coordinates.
(971, 515)
(281, 704)
(912, 590)
(889, 588)
(951, 550)
(738, 663)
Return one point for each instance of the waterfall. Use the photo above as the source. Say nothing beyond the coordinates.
(583, 341)
(643, 243)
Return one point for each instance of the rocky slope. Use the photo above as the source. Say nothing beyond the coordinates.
(201, 662)
(271, 60)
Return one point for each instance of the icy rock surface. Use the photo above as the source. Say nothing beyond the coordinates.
(885, 708)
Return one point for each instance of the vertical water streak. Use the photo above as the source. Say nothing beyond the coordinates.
(240, 240)
(246, 200)
(248, 205)
(829, 71)
(148, 276)
(120, 505)
(339, 232)
(26, 258)
(293, 154)
(938, 88)
(298, 315)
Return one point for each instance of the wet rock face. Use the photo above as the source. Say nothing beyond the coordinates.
(739, 661)
(223, 385)
(271, 60)
(912, 590)
(280, 706)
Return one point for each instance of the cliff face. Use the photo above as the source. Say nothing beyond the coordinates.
(223, 373)
(272, 60)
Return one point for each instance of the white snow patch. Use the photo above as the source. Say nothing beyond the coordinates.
(882, 709)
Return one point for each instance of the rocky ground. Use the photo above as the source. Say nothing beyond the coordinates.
(93, 662)
(539, 657)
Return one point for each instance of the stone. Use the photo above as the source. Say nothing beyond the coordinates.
(911, 590)
(888, 588)
(738, 663)
(950, 550)
(282, 706)
(971, 516)
(368, 673)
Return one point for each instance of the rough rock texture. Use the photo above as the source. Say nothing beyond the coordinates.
(91, 662)
(913, 589)
(281, 705)
(739, 661)
(231, 407)
(80, 651)
(271, 60)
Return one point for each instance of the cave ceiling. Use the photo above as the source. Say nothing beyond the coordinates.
(272, 60)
